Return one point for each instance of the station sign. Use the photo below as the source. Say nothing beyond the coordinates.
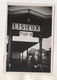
(26, 27)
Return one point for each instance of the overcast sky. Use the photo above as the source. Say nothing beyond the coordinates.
(46, 44)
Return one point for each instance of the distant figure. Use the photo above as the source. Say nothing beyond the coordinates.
(34, 62)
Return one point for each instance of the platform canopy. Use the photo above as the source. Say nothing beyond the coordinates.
(28, 16)
(21, 46)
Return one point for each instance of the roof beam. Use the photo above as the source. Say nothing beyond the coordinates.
(15, 12)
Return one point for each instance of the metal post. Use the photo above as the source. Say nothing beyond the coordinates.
(22, 56)
(41, 53)
(27, 55)
(40, 49)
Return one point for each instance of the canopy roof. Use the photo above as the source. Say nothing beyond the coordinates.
(24, 11)
(21, 16)
(21, 46)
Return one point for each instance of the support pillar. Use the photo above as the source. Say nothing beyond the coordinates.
(27, 55)
(9, 57)
(40, 40)
(22, 56)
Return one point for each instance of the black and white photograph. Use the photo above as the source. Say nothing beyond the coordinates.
(29, 35)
